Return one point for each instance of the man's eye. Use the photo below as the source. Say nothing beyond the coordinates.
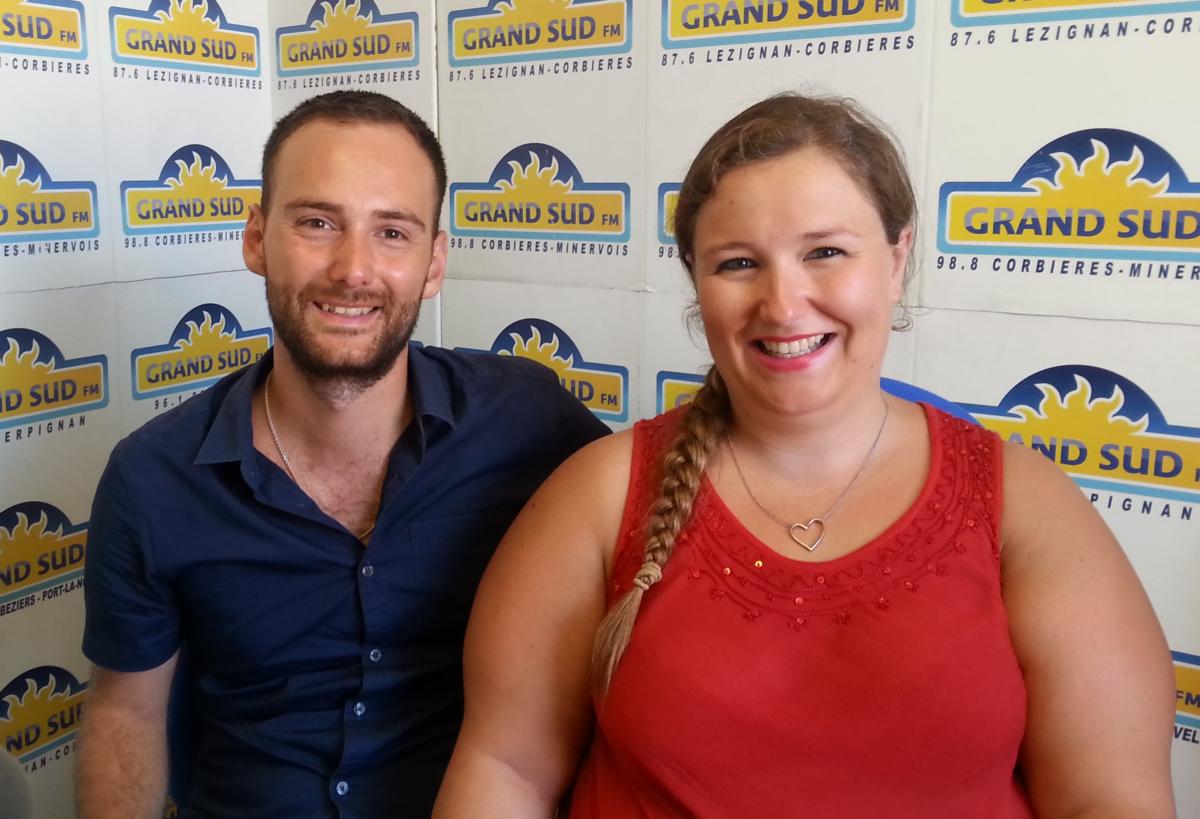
(740, 263)
(392, 234)
(315, 222)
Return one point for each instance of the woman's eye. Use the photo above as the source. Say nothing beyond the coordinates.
(825, 253)
(740, 263)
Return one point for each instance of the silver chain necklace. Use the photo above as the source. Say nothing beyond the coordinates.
(283, 455)
(797, 531)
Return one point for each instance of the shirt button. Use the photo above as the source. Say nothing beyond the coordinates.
(368, 570)
(342, 788)
(359, 709)
(375, 655)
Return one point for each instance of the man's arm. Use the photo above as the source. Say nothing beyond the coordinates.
(527, 660)
(132, 636)
(122, 767)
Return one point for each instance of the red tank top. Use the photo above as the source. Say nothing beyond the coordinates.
(881, 683)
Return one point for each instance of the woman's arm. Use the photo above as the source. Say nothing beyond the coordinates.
(1096, 666)
(528, 651)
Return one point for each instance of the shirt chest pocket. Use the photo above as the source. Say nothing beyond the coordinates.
(447, 556)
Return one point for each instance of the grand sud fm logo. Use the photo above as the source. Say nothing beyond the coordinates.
(37, 382)
(195, 190)
(33, 206)
(207, 343)
(602, 388)
(688, 24)
(340, 35)
(187, 34)
(1187, 697)
(40, 550)
(990, 12)
(505, 31)
(535, 191)
(668, 199)
(39, 714)
(43, 28)
(1102, 429)
(674, 389)
(1099, 193)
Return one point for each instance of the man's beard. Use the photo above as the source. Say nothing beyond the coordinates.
(321, 365)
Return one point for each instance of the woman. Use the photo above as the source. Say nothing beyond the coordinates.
(799, 596)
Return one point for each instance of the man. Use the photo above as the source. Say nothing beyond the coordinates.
(312, 529)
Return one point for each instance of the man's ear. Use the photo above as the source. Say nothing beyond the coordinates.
(437, 266)
(252, 241)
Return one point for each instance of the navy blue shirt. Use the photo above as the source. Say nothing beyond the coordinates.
(327, 676)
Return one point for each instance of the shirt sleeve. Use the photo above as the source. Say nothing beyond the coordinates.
(132, 622)
(574, 424)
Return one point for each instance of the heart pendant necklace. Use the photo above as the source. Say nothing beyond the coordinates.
(809, 535)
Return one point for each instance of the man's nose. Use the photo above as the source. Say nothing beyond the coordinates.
(352, 261)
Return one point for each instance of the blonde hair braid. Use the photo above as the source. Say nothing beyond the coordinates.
(682, 465)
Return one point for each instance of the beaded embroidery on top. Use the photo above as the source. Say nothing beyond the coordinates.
(957, 505)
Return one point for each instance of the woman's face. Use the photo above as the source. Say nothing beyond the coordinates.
(796, 282)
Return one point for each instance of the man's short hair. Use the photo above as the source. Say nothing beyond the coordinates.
(351, 107)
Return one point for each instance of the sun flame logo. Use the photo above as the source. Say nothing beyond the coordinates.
(1098, 180)
(527, 11)
(1080, 412)
(602, 388)
(13, 184)
(535, 190)
(23, 368)
(39, 548)
(1072, 198)
(189, 17)
(36, 703)
(207, 336)
(207, 343)
(505, 30)
(27, 539)
(1101, 428)
(37, 382)
(197, 178)
(40, 715)
(543, 352)
(191, 33)
(343, 18)
(195, 190)
(534, 180)
(34, 206)
(341, 35)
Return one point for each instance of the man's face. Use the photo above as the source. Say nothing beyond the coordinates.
(349, 247)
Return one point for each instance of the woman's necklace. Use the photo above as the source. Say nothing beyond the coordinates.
(798, 531)
(283, 455)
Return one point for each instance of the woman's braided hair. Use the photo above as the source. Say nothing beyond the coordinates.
(766, 130)
(703, 424)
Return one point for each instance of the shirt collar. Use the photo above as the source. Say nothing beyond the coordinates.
(430, 385)
(231, 437)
